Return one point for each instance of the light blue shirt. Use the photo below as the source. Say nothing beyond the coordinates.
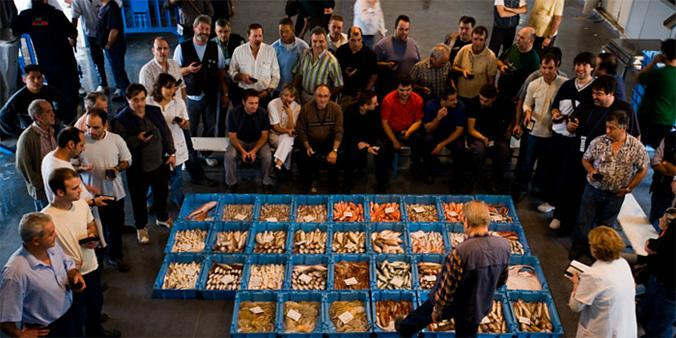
(178, 57)
(287, 58)
(32, 292)
(88, 10)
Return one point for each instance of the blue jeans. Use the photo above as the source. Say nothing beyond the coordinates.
(597, 207)
(96, 53)
(176, 186)
(657, 311)
(205, 111)
(115, 56)
(533, 148)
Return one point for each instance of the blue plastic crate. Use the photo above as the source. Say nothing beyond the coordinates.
(380, 199)
(429, 227)
(193, 201)
(439, 259)
(309, 227)
(254, 296)
(269, 226)
(274, 199)
(347, 296)
(394, 226)
(537, 269)
(159, 292)
(420, 199)
(441, 200)
(506, 310)
(218, 227)
(349, 258)
(518, 229)
(393, 295)
(393, 258)
(356, 199)
(301, 296)
(263, 260)
(345, 227)
(530, 296)
(220, 294)
(229, 199)
(324, 260)
(184, 225)
(504, 200)
(312, 200)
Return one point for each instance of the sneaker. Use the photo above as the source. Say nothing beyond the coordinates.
(168, 223)
(143, 236)
(211, 162)
(554, 224)
(545, 208)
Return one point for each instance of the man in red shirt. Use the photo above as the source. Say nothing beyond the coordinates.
(401, 115)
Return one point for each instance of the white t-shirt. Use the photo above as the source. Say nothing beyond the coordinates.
(104, 154)
(175, 108)
(71, 226)
(539, 97)
(502, 3)
(264, 67)
(607, 289)
(278, 115)
(51, 163)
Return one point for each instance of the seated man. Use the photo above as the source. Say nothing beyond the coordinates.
(444, 123)
(363, 133)
(248, 128)
(401, 117)
(320, 131)
(283, 112)
(489, 128)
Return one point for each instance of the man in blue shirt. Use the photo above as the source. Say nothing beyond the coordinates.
(289, 48)
(36, 284)
(444, 123)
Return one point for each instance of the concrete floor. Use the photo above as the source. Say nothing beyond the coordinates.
(128, 299)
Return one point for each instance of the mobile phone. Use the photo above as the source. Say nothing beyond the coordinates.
(253, 79)
(530, 124)
(178, 120)
(112, 198)
(89, 239)
(111, 174)
(77, 286)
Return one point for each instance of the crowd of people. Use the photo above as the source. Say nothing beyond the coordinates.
(329, 104)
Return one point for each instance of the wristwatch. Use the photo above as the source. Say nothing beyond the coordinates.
(335, 150)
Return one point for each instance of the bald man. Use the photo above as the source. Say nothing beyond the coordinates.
(517, 62)
(430, 75)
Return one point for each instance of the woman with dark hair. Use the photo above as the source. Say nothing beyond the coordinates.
(175, 114)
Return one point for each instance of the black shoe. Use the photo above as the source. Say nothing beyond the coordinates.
(118, 96)
(118, 264)
(110, 333)
(269, 188)
(103, 318)
(231, 189)
(429, 179)
(204, 181)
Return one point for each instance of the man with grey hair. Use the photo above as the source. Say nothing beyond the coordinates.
(431, 73)
(92, 100)
(37, 284)
(470, 275)
(33, 144)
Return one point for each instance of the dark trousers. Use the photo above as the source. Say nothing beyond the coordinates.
(657, 311)
(65, 326)
(572, 185)
(138, 184)
(355, 161)
(96, 54)
(537, 45)
(419, 318)
(499, 154)
(384, 162)
(112, 219)
(115, 56)
(597, 207)
(88, 304)
(310, 165)
(203, 111)
(501, 37)
(652, 133)
(193, 165)
(532, 149)
(563, 151)
(430, 161)
(661, 198)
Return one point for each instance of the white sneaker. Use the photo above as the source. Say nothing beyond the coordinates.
(102, 89)
(545, 208)
(554, 224)
(167, 224)
(142, 236)
(211, 162)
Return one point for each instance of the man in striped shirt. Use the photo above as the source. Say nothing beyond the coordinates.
(317, 66)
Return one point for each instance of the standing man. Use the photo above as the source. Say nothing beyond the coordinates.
(470, 275)
(616, 163)
(109, 156)
(658, 106)
(89, 10)
(476, 65)
(152, 150)
(203, 68)
(359, 66)
(188, 11)
(73, 221)
(254, 65)
(32, 146)
(505, 19)
(226, 41)
(462, 37)
(92, 100)
(38, 283)
(160, 63)
(320, 132)
(546, 19)
(248, 128)
(110, 35)
(336, 37)
(431, 74)
(396, 54)
(664, 170)
(317, 66)
(289, 49)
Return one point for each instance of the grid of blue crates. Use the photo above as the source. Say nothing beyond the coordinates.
(416, 295)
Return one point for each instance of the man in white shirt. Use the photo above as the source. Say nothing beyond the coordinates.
(254, 65)
(283, 112)
(161, 63)
(108, 154)
(78, 235)
(336, 37)
(538, 122)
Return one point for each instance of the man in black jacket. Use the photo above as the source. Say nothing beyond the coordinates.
(363, 135)
(152, 149)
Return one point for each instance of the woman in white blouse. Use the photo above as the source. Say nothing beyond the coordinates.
(604, 293)
(368, 15)
(175, 113)
(283, 112)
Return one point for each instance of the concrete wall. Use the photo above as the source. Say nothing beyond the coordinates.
(644, 19)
